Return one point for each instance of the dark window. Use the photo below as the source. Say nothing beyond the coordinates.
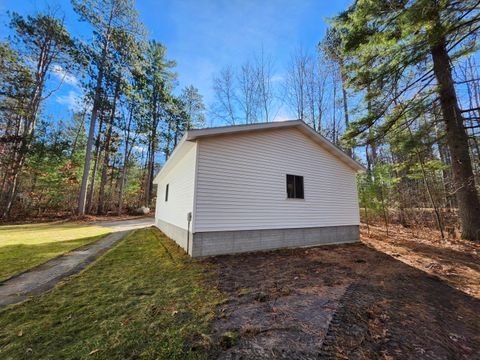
(294, 187)
(166, 192)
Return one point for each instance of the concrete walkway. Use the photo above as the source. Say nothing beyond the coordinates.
(122, 225)
(47, 275)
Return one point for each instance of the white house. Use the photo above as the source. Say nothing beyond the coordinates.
(256, 187)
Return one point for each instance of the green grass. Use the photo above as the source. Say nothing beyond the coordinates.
(142, 299)
(25, 246)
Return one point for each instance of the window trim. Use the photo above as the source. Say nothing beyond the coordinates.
(295, 180)
(166, 192)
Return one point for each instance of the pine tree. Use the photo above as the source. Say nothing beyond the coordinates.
(42, 42)
(158, 85)
(107, 17)
(402, 53)
(192, 102)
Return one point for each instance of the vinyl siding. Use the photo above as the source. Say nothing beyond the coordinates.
(241, 183)
(181, 180)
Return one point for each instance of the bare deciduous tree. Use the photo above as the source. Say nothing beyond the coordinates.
(264, 72)
(224, 87)
(305, 88)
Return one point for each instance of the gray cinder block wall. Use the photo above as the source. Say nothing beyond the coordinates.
(230, 242)
(177, 234)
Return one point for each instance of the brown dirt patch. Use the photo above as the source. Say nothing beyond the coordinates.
(346, 302)
(455, 261)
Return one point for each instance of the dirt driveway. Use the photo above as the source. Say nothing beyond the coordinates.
(340, 302)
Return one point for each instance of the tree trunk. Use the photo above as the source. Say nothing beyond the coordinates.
(12, 191)
(150, 169)
(345, 99)
(457, 141)
(126, 156)
(93, 119)
(438, 216)
(18, 159)
(106, 157)
(95, 167)
(88, 151)
(152, 144)
(77, 135)
(34, 102)
(103, 178)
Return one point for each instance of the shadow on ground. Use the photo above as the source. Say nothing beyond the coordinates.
(347, 301)
(455, 261)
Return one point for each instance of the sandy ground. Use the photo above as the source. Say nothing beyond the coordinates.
(406, 296)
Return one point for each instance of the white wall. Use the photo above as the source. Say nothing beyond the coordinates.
(241, 183)
(180, 176)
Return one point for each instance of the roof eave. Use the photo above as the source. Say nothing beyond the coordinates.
(333, 149)
(193, 135)
(236, 129)
(169, 160)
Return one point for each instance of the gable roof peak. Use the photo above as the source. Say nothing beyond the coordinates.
(194, 134)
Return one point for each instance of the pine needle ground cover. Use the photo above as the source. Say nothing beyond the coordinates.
(142, 299)
(25, 246)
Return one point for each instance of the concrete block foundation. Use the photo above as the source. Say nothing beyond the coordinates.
(179, 235)
(230, 242)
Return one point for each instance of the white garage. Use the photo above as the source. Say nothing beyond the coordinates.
(256, 187)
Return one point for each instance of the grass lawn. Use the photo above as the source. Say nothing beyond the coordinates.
(25, 246)
(142, 299)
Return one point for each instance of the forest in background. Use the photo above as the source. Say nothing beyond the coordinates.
(103, 160)
(394, 83)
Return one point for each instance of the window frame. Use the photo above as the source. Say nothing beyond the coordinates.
(298, 182)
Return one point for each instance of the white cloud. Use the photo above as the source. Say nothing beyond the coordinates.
(63, 75)
(277, 78)
(73, 100)
(139, 149)
(284, 114)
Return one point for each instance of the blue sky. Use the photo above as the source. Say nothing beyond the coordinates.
(204, 36)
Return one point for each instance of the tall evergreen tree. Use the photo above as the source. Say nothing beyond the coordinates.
(401, 54)
(42, 42)
(194, 107)
(158, 85)
(107, 17)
